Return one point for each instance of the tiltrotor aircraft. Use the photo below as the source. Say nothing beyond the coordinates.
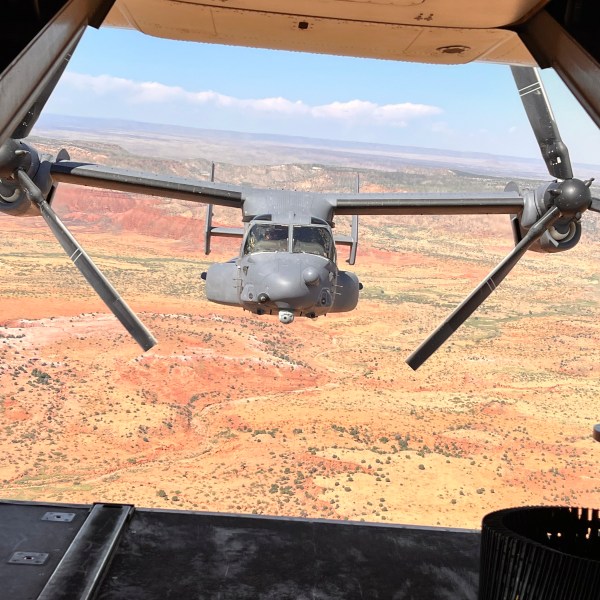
(287, 263)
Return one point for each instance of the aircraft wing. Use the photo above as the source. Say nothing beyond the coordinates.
(508, 202)
(49, 173)
(164, 186)
(168, 186)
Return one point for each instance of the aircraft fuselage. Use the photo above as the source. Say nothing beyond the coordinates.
(288, 269)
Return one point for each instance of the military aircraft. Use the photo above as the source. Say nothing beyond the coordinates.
(287, 263)
(39, 36)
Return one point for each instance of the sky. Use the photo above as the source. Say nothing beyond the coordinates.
(127, 75)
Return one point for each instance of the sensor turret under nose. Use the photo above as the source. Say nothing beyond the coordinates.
(286, 316)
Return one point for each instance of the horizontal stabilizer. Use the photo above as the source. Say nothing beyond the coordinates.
(227, 231)
(349, 240)
(343, 240)
(210, 231)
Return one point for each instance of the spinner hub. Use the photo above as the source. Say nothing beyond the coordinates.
(572, 197)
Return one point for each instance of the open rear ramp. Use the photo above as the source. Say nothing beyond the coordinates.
(118, 552)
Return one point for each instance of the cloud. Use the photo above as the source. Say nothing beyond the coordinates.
(442, 128)
(153, 93)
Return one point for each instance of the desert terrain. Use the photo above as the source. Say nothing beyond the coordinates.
(236, 413)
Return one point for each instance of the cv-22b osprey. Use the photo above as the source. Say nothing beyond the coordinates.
(287, 263)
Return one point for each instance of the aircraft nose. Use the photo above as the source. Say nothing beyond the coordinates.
(294, 285)
(280, 286)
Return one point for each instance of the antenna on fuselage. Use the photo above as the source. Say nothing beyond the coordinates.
(209, 215)
(354, 232)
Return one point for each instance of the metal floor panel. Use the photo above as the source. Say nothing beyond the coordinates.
(176, 555)
(23, 529)
(164, 555)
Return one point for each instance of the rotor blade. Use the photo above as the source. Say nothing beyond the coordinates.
(481, 292)
(29, 120)
(539, 113)
(507, 203)
(165, 186)
(88, 269)
(595, 205)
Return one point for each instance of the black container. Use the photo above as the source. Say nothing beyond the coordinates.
(540, 553)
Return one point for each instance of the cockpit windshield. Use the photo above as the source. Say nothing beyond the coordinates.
(313, 240)
(264, 237)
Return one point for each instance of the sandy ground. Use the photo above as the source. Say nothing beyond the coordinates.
(322, 418)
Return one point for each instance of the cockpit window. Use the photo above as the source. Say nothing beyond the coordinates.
(264, 237)
(313, 240)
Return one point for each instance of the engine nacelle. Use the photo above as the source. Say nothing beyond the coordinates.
(15, 154)
(563, 235)
(346, 292)
(15, 203)
(555, 240)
